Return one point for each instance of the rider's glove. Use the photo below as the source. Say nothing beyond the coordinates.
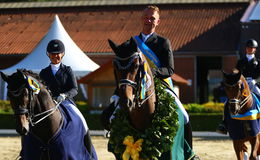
(61, 97)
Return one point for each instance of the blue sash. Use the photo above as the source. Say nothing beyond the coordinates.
(177, 152)
(152, 58)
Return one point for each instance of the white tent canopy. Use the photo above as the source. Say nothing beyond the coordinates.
(37, 59)
(252, 12)
(74, 57)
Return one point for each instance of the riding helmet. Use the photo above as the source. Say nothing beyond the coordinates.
(55, 46)
(251, 43)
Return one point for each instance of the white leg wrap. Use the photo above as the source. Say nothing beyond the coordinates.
(258, 157)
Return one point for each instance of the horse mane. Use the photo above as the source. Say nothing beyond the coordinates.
(30, 73)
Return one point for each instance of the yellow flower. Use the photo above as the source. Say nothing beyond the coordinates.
(132, 148)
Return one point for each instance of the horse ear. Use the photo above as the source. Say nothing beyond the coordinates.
(238, 75)
(4, 77)
(113, 45)
(231, 78)
(133, 44)
(225, 75)
(21, 73)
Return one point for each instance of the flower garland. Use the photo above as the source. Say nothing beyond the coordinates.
(156, 139)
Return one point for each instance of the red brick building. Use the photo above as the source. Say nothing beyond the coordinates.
(205, 34)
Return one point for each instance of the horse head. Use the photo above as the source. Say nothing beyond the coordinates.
(237, 91)
(23, 90)
(130, 70)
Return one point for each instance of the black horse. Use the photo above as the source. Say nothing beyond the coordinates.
(49, 130)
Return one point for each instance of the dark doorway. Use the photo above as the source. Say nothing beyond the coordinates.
(204, 64)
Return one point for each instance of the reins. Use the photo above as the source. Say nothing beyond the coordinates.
(30, 111)
(244, 101)
(48, 113)
(135, 85)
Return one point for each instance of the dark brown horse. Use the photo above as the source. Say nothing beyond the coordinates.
(129, 73)
(142, 119)
(241, 126)
(42, 123)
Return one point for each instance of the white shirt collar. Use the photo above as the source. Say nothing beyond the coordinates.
(55, 68)
(145, 37)
(250, 56)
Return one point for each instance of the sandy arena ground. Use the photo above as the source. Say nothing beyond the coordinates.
(206, 148)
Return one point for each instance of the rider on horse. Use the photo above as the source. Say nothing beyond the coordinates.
(158, 52)
(249, 66)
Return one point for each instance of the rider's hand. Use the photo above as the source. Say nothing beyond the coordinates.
(61, 97)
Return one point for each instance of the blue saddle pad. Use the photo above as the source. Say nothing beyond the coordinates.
(67, 143)
(240, 129)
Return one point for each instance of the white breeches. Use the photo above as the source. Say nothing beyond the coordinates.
(253, 87)
(69, 104)
(181, 107)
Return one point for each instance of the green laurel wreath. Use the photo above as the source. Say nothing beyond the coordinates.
(158, 138)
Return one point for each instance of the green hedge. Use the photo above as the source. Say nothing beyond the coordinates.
(209, 107)
(206, 121)
(199, 122)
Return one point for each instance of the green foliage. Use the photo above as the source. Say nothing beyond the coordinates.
(158, 138)
(200, 120)
(82, 106)
(5, 107)
(209, 107)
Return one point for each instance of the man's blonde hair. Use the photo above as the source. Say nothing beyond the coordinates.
(154, 8)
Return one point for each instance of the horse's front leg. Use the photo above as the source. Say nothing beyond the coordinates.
(240, 148)
(254, 141)
(258, 150)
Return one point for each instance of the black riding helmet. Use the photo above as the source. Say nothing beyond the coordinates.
(251, 43)
(55, 46)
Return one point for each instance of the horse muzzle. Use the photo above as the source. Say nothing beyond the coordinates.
(22, 125)
(234, 106)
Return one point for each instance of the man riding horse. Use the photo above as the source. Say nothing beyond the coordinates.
(158, 52)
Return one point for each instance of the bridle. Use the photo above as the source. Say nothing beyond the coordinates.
(29, 110)
(238, 101)
(134, 84)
